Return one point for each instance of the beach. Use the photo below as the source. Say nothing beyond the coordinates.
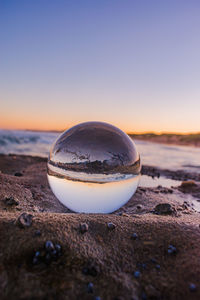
(148, 249)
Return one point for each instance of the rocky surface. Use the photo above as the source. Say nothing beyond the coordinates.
(48, 252)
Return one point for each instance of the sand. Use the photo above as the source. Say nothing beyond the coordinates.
(106, 257)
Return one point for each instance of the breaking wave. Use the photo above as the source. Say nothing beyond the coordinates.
(26, 142)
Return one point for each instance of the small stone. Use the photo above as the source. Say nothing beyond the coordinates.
(90, 287)
(139, 206)
(35, 260)
(188, 184)
(91, 270)
(192, 287)
(58, 248)
(37, 253)
(137, 274)
(49, 246)
(134, 236)
(83, 227)
(171, 249)
(18, 174)
(24, 220)
(111, 226)
(37, 233)
(157, 267)
(11, 201)
(144, 266)
(163, 209)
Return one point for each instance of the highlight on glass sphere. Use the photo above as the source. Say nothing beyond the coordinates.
(94, 167)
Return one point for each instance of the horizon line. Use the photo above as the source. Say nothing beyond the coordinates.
(127, 131)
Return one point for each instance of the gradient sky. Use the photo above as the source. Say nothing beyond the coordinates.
(135, 64)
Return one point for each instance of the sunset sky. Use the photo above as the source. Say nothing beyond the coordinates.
(134, 64)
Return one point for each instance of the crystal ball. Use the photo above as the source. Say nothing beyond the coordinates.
(93, 167)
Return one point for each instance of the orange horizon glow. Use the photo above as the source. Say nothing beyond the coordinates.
(31, 126)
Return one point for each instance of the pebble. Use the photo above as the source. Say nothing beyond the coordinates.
(192, 287)
(90, 287)
(91, 270)
(139, 206)
(35, 261)
(141, 266)
(11, 201)
(18, 174)
(49, 246)
(37, 253)
(83, 227)
(171, 249)
(37, 233)
(58, 247)
(137, 274)
(50, 253)
(134, 236)
(163, 209)
(188, 184)
(111, 226)
(157, 267)
(25, 220)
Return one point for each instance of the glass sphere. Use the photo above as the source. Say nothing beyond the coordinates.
(93, 167)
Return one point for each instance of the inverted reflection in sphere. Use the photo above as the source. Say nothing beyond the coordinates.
(93, 167)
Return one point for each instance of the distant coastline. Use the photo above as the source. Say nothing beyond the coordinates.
(184, 139)
(192, 139)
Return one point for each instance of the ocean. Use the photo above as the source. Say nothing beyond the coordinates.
(170, 157)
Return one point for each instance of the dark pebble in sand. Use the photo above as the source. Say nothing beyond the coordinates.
(136, 274)
(163, 209)
(111, 226)
(37, 233)
(49, 246)
(37, 253)
(18, 174)
(11, 201)
(134, 236)
(49, 254)
(171, 249)
(35, 261)
(139, 206)
(83, 227)
(24, 220)
(192, 287)
(90, 287)
(91, 270)
(157, 267)
(58, 248)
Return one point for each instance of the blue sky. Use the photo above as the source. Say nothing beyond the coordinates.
(135, 64)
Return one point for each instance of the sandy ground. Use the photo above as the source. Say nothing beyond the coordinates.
(129, 259)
